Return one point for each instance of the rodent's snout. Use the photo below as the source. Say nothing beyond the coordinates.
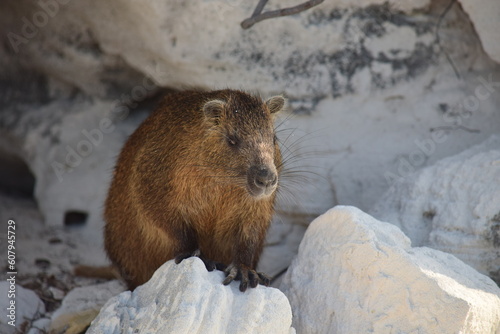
(262, 181)
(264, 178)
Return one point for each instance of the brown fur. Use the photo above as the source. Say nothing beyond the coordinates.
(183, 182)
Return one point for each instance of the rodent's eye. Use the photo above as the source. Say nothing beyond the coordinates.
(233, 141)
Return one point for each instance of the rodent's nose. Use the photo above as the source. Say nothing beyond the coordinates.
(265, 178)
(262, 180)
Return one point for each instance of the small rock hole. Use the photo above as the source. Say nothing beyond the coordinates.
(75, 218)
(43, 264)
(429, 214)
(55, 241)
(16, 178)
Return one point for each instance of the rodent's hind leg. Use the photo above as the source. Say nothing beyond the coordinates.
(209, 264)
(246, 276)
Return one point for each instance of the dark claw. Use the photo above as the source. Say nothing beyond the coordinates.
(244, 284)
(253, 278)
(209, 264)
(231, 273)
(264, 279)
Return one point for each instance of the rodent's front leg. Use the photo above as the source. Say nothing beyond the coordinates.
(187, 246)
(245, 257)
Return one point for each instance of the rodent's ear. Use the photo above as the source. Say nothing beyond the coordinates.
(276, 104)
(213, 110)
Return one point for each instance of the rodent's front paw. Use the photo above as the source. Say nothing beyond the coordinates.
(246, 276)
(209, 264)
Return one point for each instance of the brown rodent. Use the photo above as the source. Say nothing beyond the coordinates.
(198, 177)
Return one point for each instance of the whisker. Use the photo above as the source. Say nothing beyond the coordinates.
(282, 121)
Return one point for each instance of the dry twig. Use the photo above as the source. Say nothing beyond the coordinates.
(258, 16)
(438, 39)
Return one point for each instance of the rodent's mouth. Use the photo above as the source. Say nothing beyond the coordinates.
(260, 192)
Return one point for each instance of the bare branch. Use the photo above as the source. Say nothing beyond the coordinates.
(438, 39)
(259, 8)
(257, 16)
(456, 127)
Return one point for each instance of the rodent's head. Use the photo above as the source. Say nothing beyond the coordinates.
(241, 126)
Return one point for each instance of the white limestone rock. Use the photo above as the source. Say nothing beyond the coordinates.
(40, 326)
(354, 274)
(72, 152)
(201, 43)
(71, 149)
(185, 298)
(485, 17)
(453, 206)
(81, 305)
(407, 6)
(27, 307)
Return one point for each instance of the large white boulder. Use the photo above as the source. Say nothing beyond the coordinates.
(185, 298)
(354, 274)
(453, 206)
